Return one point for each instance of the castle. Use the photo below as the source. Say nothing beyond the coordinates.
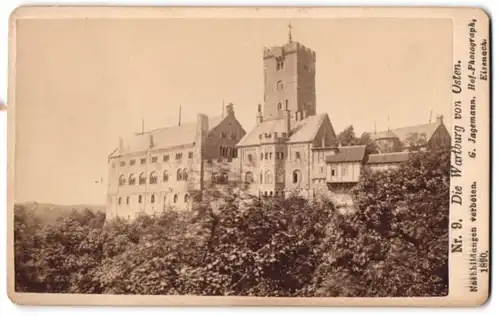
(290, 149)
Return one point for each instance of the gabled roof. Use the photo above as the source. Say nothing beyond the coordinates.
(171, 136)
(404, 132)
(397, 157)
(348, 154)
(301, 131)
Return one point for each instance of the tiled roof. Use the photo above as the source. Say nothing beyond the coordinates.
(388, 158)
(404, 132)
(348, 154)
(301, 131)
(172, 136)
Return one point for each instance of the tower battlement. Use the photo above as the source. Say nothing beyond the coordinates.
(286, 49)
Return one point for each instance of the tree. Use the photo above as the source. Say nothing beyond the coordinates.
(415, 141)
(347, 137)
(371, 147)
(396, 244)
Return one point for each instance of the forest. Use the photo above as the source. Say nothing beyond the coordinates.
(395, 244)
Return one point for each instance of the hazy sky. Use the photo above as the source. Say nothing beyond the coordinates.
(83, 83)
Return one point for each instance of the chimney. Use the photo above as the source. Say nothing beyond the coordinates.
(120, 144)
(440, 119)
(151, 141)
(259, 114)
(229, 110)
(287, 122)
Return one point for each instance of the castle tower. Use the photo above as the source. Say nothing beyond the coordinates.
(289, 81)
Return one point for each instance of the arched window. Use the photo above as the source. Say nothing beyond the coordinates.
(279, 106)
(139, 199)
(175, 198)
(128, 200)
(296, 177)
(179, 174)
(119, 201)
(269, 177)
(185, 175)
(153, 199)
(131, 179)
(249, 177)
(279, 85)
(261, 180)
(165, 176)
(186, 197)
(271, 193)
(265, 193)
(142, 178)
(153, 178)
(121, 180)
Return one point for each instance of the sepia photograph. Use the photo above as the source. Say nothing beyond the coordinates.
(253, 157)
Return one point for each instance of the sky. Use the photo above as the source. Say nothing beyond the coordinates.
(81, 84)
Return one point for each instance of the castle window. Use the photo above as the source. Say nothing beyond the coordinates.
(271, 193)
(249, 157)
(127, 200)
(269, 177)
(279, 85)
(321, 169)
(265, 193)
(261, 178)
(152, 198)
(190, 155)
(185, 175)
(286, 104)
(166, 158)
(333, 171)
(296, 177)
(143, 161)
(179, 174)
(297, 155)
(122, 163)
(153, 178)
(223, 135)
(132, 162)
(186, 197)
(154, 159)
(267, 155)
(142, 178)
(175, 198)
(270, 155)
(121, 180)
(279, 63)
(249, 177)
(139, 199)
(131, 179)
(119, 201)
(178, 156)
(165, 176)
(279, 106)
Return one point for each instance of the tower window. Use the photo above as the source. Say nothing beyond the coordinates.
(279, 106)
(166, 158)
(143, 161)
(175, 198)
(132, 162)
(279, 85)
(190, 155)
(128, 200)
(154, 159)
(279, 64)
(140, 199)
(119, 201)
(296, 176)
(153, 199)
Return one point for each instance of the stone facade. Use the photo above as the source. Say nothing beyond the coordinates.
(155, 170)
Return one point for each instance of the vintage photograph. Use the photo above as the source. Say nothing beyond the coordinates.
(264, 157)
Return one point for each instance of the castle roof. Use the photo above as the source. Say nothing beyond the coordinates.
(396, 157)
(172, 136)
(300, 131)
(348, 154)
(404, 132)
